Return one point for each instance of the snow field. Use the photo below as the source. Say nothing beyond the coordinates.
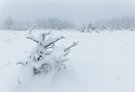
(103, 62)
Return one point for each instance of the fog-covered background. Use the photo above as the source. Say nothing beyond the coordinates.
(76, 12)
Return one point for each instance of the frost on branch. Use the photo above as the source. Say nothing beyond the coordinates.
(47, 56)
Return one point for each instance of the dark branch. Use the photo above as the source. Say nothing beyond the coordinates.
(44, 35)
(32, 39)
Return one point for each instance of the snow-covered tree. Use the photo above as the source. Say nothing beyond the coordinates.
(8, 23)
(46, 56)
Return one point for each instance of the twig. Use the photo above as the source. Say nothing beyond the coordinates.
(32, 28)
(21, 63)
(45, 46)
(74, 44)
(45, 34)
(32, 39)
(54, 41)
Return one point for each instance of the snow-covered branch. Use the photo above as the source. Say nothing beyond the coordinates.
(74, 44)
(43, 36)
(51, 41)
(47, 42)
(31, 38)
(21, 63)
(32, 28)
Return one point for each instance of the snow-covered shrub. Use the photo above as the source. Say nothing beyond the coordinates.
(88, 28)
(46, 56)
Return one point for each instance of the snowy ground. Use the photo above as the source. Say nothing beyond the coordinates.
(103, 62)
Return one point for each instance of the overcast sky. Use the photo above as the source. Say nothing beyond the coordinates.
(78, 11)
